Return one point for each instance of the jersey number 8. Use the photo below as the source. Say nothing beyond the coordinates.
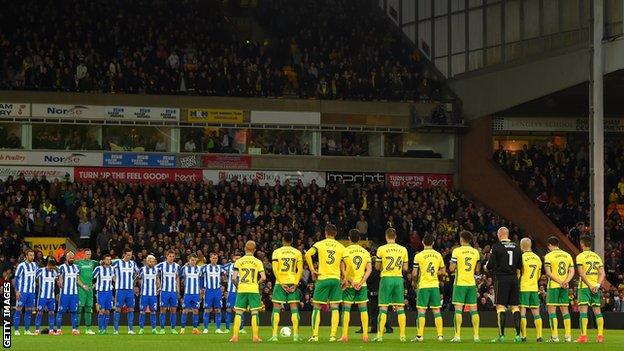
(562, 269)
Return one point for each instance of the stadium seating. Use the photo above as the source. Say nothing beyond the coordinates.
(173, 51)
(557, 179)
(201, 217)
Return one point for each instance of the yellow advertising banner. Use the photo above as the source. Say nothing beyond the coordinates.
(214, 116)
(48, 245)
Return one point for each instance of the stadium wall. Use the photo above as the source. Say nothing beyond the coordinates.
(400, 110)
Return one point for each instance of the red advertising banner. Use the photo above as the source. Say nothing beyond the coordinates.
(134, 175)
(226, 161)
(419, 180)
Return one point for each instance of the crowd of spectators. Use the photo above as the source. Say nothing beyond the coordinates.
(174, 47)
(201, 217)
(557, 179)
(192, 47)
(365, 59)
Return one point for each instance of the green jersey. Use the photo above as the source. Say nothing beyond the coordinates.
(86, 271)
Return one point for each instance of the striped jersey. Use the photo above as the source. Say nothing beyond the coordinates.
(47, 282)
(69, 273)
(125, 274)
(192, 281)
(168, 274)
(212, 276)
(229, 270)
(104, 278)
(148, 280)
(25, 277)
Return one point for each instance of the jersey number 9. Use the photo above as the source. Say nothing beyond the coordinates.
(357, 261)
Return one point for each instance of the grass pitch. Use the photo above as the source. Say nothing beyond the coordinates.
(614, 340)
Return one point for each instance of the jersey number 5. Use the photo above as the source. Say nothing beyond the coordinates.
(468, 264)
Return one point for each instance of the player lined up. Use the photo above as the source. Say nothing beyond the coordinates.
(76, 288)
(340, 274)
(508, 262)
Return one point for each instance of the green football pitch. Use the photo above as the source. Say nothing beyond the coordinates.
(614, 340)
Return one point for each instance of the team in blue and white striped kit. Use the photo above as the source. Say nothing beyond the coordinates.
(212, 274)
(104, 276)
(68, 297)
(159, 284)
(169, 274)
(190, 272)
(45, 300)
(148, 275)
(126, 272)
(25, 280)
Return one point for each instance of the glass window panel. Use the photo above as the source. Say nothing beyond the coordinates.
(419, 145)
(133, 138)
(65, 137)
(344, 144)
(10, 136)
(214, 140)
(280, 142)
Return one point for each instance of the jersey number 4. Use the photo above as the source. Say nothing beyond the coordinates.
(430, 269)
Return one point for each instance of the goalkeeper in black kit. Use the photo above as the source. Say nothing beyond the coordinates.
(504, 264)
